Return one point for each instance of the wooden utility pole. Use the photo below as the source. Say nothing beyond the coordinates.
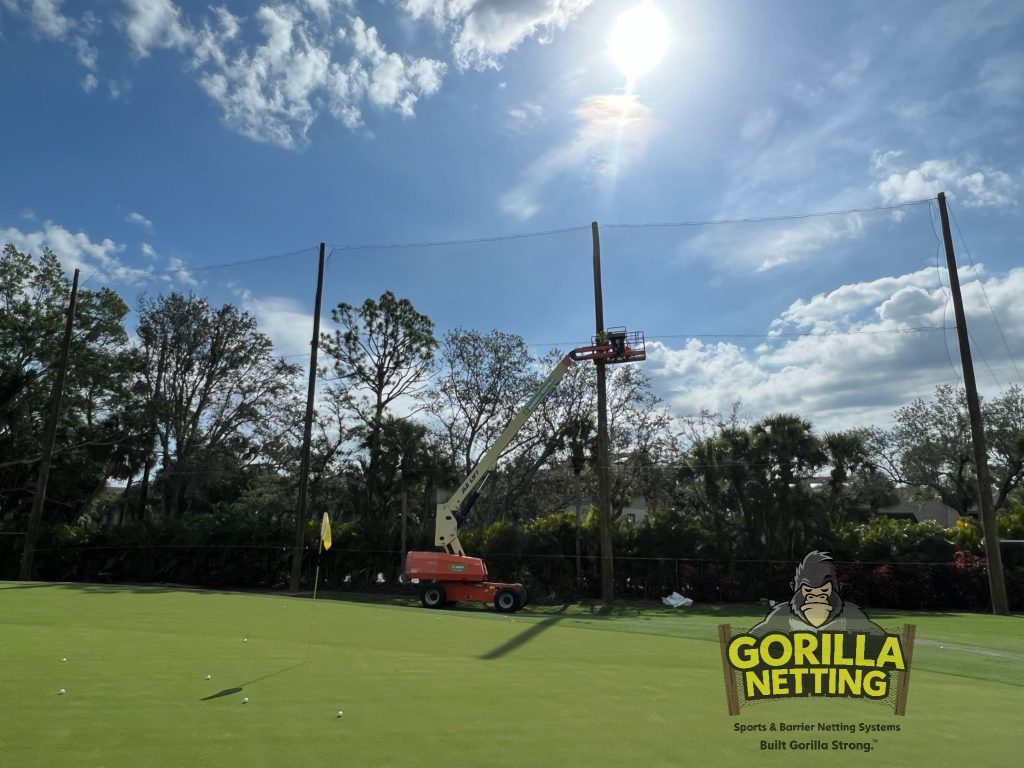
(604, 511)
(993, 556)
(405, 508)
(49, 438)
(579, 537)
(307, 434)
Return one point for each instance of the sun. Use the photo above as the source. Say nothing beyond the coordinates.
(638, 39)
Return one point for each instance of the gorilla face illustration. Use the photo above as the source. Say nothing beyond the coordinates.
(815, 596)
(817, 604)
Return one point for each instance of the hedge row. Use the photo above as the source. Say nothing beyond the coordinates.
(887, 564)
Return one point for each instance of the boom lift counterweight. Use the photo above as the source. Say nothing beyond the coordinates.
(449, 575)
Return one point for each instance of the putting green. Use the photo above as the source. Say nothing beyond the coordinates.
(551, 686)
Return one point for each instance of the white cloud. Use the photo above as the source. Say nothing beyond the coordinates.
(154, 24)
(271, 92)
(988, 188)
(87, 54)
(911, 305)
(484, 30)
(732, 248)
(266, 94)
(855, 302)
(848, 379)
(322, 8)
(614, 132)
(179, 271)
(796, 243)
(309, 60)
(76, 251)
(882, 162)
(47, 18)
(286, 321)
(139, 220)
(148, 250)
(389, 79)
(982, 187)
(524, 118)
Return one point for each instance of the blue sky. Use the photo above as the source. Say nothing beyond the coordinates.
(148, 135)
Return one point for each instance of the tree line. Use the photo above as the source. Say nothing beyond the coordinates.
(190, 422)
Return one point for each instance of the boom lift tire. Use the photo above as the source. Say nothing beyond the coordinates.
(524, 597)
(433, 596)
(506, 601)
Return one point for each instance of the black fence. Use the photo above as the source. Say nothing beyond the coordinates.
(958, 585)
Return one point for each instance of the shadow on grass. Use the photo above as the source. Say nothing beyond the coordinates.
(526, 636)
(24, 586)
(221, 694)
(240, 688)
(106, 588)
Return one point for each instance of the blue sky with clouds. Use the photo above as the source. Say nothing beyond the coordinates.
(142, 136)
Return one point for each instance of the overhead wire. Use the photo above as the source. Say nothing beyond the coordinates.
(946, 295)
(456, 242)
(766, 335)
(702, 335)
(183, 268)
(188, 269)
(761, 219)
(970, 335)
(642, 225)
(465, 241)
(984, 293)
(556, 467)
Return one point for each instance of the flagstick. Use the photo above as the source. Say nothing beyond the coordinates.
(316, 582)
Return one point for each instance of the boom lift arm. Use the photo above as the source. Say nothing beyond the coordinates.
(614, 346)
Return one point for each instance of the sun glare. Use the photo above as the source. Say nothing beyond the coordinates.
(638, 40)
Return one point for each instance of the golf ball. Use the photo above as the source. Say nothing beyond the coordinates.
(61, 692)
(209, 677)
(340, 713)
(245, 639)
(64, 660)
(245, 700)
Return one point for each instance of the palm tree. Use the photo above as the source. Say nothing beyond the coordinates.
(405, 456)
(848, 454)
(582, 438)
(705, 469)
(788, 450)
(739, 460)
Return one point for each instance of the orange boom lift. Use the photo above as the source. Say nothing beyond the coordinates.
(449, 576)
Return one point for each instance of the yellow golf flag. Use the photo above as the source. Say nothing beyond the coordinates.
(325, 531)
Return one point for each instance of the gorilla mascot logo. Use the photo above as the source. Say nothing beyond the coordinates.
(816, 605)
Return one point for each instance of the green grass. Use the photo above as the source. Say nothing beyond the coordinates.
(551, 686)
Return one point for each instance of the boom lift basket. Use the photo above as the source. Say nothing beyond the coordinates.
(629, 345)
